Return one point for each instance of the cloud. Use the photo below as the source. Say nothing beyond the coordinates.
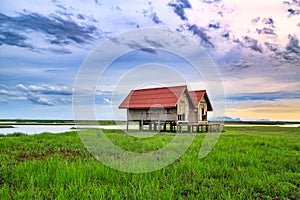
(107, 100)
(3, 86)
(200, 32)
(267, 31)
(17, 31)
(293, 11)
(155, 18)
(211, 1)
(36, 99)
(292, 7)
(137, 46)
(268, 21)
(151, 14)
(268, 96)
(46, 99)
(250, 43)
(58, 50)
(44, 94)
(46, 89)
(3, 101)
(13, 39)
(179, 6)
(272, 47)
(2, 91)
(21, 87)
(293, 45)
(215, 25)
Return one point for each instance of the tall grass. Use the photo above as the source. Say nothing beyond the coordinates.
(246, 163)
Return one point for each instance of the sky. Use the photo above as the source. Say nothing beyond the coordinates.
(254, 45)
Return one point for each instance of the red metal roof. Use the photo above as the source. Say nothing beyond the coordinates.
(196, 96)
(153, 97)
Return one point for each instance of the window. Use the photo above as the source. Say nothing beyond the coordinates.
(181, 117)
(169, 111)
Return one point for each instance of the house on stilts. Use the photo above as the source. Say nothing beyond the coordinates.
(168, 107)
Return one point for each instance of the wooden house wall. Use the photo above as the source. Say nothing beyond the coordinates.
(185, 106)
(152, 114)
(202, 106)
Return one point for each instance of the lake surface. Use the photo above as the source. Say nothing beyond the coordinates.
(284, 125)
(37, 129)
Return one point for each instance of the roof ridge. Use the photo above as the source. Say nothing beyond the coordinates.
(160, 87)
(197, 90)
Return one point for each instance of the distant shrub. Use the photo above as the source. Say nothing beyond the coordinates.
(6, 126)
(16, 134)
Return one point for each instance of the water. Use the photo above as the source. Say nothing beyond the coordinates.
(284, 125)
(37, 129)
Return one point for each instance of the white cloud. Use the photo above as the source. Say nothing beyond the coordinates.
(37, 99)
(21, 87)
(108, 101)
(2, 91)
(46, 89)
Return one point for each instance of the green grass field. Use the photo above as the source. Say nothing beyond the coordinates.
(246, 163)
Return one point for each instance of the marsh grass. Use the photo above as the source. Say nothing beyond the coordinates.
(246, 163)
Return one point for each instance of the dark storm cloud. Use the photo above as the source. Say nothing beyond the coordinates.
(200, 32)
(250, 43)
(293, 7)
(155, 18)
(226, 35)
(58, 30)
(151, 47)
(137, 46)
(150, 13)
(13, 39)
(153, 43)
(293, 11)
(272, 47)
(268, 21)
(293, 44)
(214, 25)
(291, 55)
(266, 31)
(179, 7)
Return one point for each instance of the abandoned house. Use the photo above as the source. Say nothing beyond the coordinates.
(173, 106)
